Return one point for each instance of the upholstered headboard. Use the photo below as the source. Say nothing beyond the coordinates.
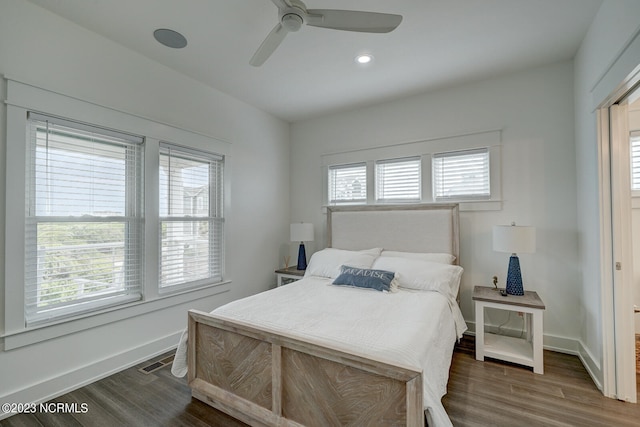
(410, 228)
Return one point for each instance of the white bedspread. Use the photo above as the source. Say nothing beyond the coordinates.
(408, 328)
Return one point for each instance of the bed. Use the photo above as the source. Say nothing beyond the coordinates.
(316, 354)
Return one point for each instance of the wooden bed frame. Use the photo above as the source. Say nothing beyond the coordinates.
(268, 379)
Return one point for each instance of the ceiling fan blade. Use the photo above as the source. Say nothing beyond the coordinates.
(351, 20)
(281, 4)
(269, 45)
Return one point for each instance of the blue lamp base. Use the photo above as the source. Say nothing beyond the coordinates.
(514, 277)
(302, 257)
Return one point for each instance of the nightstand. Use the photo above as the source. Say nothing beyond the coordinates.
(524, 351)
(288, 275)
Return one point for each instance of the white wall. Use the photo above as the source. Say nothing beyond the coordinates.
(42, 49)
(611, 31)
(535, 111)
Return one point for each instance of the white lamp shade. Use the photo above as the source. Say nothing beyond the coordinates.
(302, 232)
(514, 239)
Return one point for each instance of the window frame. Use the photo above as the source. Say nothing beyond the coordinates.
(215, 215)
(634, 167)
(379, 181)
(132, 147)
(23, 98)
(334, 201)
(466, 196)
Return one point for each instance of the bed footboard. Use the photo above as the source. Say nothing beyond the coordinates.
(266, 379)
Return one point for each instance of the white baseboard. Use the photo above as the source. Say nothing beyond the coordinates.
(591, 365)
(560, 345)
(69, 381)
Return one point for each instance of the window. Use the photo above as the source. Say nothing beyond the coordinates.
(461, 175)
(398, 180)
(462, 169)
(191, 219)
(635, 161)
(83, 225)
(86, 229)
(348, 184)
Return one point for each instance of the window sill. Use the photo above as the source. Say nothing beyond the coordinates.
(481, 205)
(38, 333)
(465, 206)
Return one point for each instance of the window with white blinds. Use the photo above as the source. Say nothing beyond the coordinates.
(398, 180)
(191, 217)
(348, 184)
(635, 161)
(461, 175)
(84, 224)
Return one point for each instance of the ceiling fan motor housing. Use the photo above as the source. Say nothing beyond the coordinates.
(291, 21)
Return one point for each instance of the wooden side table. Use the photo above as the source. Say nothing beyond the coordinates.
(288, 275)
(524, 351)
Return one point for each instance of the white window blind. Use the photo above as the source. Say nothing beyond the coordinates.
(461, 175)
(84, 224)
(635, 161)
(191, 217)
(398, 180)
(348, 184)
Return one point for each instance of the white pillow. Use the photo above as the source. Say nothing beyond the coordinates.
(327, 262)
(422, 275)
(433, 257)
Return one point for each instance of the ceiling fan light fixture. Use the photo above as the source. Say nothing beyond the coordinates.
(364, 58)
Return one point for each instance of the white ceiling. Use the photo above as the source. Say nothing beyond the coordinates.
(439, 43)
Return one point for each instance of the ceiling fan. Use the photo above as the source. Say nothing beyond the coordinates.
(293, 14)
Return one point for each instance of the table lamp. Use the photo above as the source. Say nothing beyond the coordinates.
(302, 232)
(514, 239)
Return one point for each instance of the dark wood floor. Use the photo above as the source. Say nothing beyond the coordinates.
(479, 394)
(493, 393)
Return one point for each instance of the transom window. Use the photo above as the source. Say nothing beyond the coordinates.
(454, 173)
(461, 175)
(398, 180)
(348, 183)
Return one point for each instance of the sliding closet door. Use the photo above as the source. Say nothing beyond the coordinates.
(623, 289)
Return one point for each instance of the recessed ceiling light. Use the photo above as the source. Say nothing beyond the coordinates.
(170, 38)
(365, 58)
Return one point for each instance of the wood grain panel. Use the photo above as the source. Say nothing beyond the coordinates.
(236, 363)
(530, 299)
(349, 389)
(320, 392)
